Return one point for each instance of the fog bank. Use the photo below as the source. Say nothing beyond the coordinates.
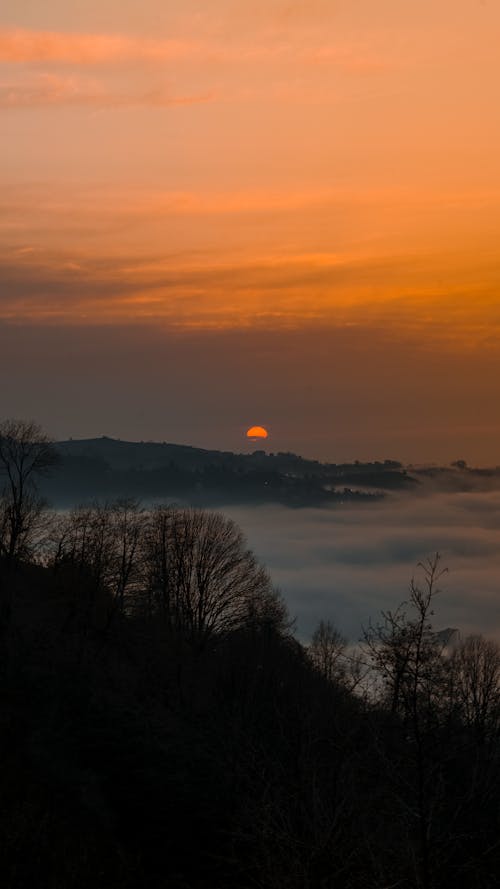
(348, 563)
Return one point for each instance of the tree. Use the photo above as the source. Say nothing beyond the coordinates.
(84, 541)
(102, 543)
(187, 567)
(25, 453)
(475, 671)
(202, 578)
(407, 656)
(405, 652)
(128, 531)
(327, 650)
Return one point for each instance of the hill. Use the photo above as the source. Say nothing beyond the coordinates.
(107, 467)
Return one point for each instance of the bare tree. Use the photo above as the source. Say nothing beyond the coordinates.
(84, 541)
(128, 530)
(475, 671)
(405, 652)
(202, 577)
(407, 656)
(25, 453)
(103, 543)
(190, 567)
(327, 651)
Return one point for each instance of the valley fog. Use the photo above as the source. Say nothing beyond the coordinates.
(348, 563)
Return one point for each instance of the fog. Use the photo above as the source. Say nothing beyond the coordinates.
(347, 563)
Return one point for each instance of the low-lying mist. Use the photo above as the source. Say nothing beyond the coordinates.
(348, 563)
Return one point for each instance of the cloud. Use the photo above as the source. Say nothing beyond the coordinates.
(137, 63)
(23, 46)
(205, 291)
(50, 90)
(134, 201)
(114, 263)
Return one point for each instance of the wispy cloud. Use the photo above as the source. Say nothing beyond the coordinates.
(115, 264)
(50, 90)
(22, 46)
(202, 292)
(128, 70)
(100, 202)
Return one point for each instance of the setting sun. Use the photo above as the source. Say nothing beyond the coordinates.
(257, 432)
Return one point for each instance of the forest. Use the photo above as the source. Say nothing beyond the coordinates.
(163, 726)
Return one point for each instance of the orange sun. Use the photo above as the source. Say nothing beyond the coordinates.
(257, 432)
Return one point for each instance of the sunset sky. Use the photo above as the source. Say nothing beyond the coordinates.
(223, 214)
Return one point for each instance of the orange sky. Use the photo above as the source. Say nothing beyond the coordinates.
(278, 167)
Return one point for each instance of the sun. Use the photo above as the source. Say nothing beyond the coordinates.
(256, 433)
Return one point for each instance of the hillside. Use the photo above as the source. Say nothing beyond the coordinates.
(107, 467)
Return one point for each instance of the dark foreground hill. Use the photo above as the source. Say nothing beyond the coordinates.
(109, 468)
(135, 756)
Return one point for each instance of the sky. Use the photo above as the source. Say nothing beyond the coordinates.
(222, 214)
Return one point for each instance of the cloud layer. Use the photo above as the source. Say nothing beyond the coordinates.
(347, 564)
(128, 71)
(21, 46)
(203, 290)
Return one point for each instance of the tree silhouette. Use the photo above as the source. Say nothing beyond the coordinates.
(327, 649)
(202, 577)
(475, 670)
(25, 453)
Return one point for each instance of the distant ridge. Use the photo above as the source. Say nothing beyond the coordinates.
(127, 454)
(108, 467)
(132, 454)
